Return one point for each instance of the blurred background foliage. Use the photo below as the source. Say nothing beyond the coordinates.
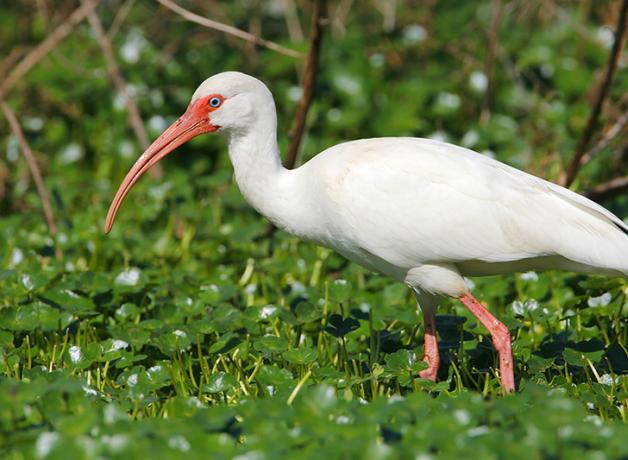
(191, 312)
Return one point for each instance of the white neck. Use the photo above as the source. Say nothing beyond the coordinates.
(264, 182)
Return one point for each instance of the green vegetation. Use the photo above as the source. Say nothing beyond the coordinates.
(189, 331)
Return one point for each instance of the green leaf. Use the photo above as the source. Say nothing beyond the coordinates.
(219, 382)
(339, 327)
(301, 355)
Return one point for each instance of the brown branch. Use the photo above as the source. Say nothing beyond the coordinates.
(119, 18)
(339, 16)
(292, 20)
(571, 172)
(9, 61)
(116, 77)
(319, 20)
(32, 166)
(607, 190)
(193, 17)
(489, 63)
(41, 50)
(614, 131)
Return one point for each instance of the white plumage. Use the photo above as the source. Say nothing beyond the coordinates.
(424, 212)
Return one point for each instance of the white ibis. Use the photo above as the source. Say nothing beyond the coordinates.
(423, 212)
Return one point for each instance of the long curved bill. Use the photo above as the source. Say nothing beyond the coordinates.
(189, 125)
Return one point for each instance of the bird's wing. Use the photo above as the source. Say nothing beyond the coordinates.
(413, 201)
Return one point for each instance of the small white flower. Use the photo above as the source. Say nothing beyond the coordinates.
(132, 380)
(600, 301)
(45, 443)
(462, 417)
(118, 345)
(377, 60)
(27, 281)
(449, 101)
(520, 308)
(295, 93)
(267, 311)
(565, 431)
(179, 443)
(478, 81)
(71, 153)
(470, 138)
(157, 123)
(89, 391)
(17, 256)
(129, 277)
(605, 36)
(477, 431)
(297, 288)
(530, 276)
(75, 353)
(439, 135)
(115, 442)
(414, 33)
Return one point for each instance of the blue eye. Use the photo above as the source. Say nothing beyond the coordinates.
(215, 102)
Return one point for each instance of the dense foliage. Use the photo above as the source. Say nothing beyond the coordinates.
(188, 330)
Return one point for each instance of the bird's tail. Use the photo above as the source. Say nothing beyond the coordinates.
(596, 238)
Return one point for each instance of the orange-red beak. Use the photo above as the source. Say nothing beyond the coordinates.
(193, 122)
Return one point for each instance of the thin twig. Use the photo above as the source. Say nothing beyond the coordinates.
(41, 50)
(319, 20)
(339, 16)
(9, 61)
(614, 131)
(292, 20)
(489, 63)
(388, 10)
(32, 166)
(119, 18)
(607, 190)
(116, 76)
(571, 172)
(193, 17)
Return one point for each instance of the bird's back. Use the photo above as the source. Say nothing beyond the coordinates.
(410, 201)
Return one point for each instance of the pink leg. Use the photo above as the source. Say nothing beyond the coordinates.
(501, 340)
(431, 356)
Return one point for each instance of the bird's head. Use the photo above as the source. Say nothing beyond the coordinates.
(228, 103)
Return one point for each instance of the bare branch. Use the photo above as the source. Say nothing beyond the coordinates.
(319, 20)
(339, 16)
(388, 10)
(119, 18)
(32, 166)
(193, 17)
(607, 190)
(571, 172)
(41, 50)
(614, 131)
(292, 20)
(9, 61)
(116, 76)
(489, 63)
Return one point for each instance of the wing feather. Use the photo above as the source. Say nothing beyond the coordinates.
(425, 201)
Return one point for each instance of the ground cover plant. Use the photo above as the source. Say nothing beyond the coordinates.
(193, 330)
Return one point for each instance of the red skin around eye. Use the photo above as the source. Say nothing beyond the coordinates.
(202, 107)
